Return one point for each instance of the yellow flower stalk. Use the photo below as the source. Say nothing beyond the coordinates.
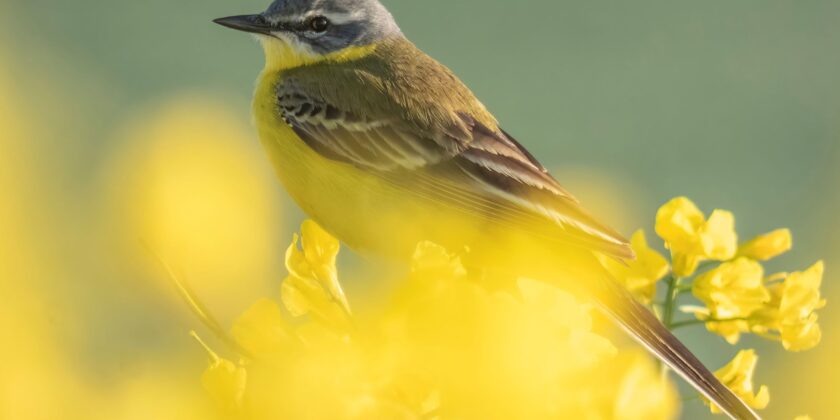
(693, 239)
(640, 275)
(738, 376)
(768, 246)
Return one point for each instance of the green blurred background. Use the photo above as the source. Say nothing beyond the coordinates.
(734, 104)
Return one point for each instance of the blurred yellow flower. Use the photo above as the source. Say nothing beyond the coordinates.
(312, 286)
(644, 393)
(640, 275)
(732, 292)
(738, 376)
(263, 331)
(185, 181)
(223, 380)
(442, 347)
(691, 238)
(768, 246)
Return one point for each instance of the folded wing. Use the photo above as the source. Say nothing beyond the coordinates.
(466, 164)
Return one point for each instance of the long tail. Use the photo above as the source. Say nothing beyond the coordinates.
(620, 305)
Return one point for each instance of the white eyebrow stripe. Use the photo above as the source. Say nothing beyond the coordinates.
(336, 18)
(339, 18)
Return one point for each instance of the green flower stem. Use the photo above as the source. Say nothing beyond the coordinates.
(693, 322)
(670, 301)
(689, 323)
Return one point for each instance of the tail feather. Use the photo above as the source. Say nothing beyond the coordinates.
(620, 305)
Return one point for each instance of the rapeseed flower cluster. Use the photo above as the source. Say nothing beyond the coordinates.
(443, 346)
(736, 293)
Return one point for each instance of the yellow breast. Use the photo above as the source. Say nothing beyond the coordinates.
(359, 207)
(352, 204)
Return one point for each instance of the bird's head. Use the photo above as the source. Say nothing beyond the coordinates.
(297, 32)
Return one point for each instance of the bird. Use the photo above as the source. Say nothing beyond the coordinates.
(385, 148)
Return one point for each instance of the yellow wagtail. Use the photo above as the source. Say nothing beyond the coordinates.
(385, 147)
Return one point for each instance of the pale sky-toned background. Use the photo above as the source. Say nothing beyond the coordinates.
(734, 104)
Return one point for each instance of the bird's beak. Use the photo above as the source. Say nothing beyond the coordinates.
(247, 23)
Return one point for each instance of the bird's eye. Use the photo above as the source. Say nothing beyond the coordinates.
(319, 24)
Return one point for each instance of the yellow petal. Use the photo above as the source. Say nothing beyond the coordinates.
(644, 393)
(733, 290)
(558, 304)
(730, 330)
(431, 259)
(678, 222)
(223, 380)
(801, 336)
(718, 237)
(320, 247)
(262, 331)
(649, 261)
(737, 375)
(801, 294)
(685, 264)
(640, 275)
(305, 296)
(312, 286)
(796, 317)
(767, 246)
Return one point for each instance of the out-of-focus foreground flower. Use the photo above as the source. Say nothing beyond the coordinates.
(444, 347)
(640, 275)
(738, 376)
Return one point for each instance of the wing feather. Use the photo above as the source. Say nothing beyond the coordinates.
(468, 165)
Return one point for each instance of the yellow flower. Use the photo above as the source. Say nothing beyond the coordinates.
(639, 276)
(209, 213)
(312, 287)
(223, 380)
(433, 261)
(262, 331)
(441, 346)
(767, 246)
(644, 393)
(733, 291)
(801, 297)
(791, 311)
(691, 238)
(737, 375)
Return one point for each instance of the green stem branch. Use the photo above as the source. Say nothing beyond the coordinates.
(670, 301)
(693, 322)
